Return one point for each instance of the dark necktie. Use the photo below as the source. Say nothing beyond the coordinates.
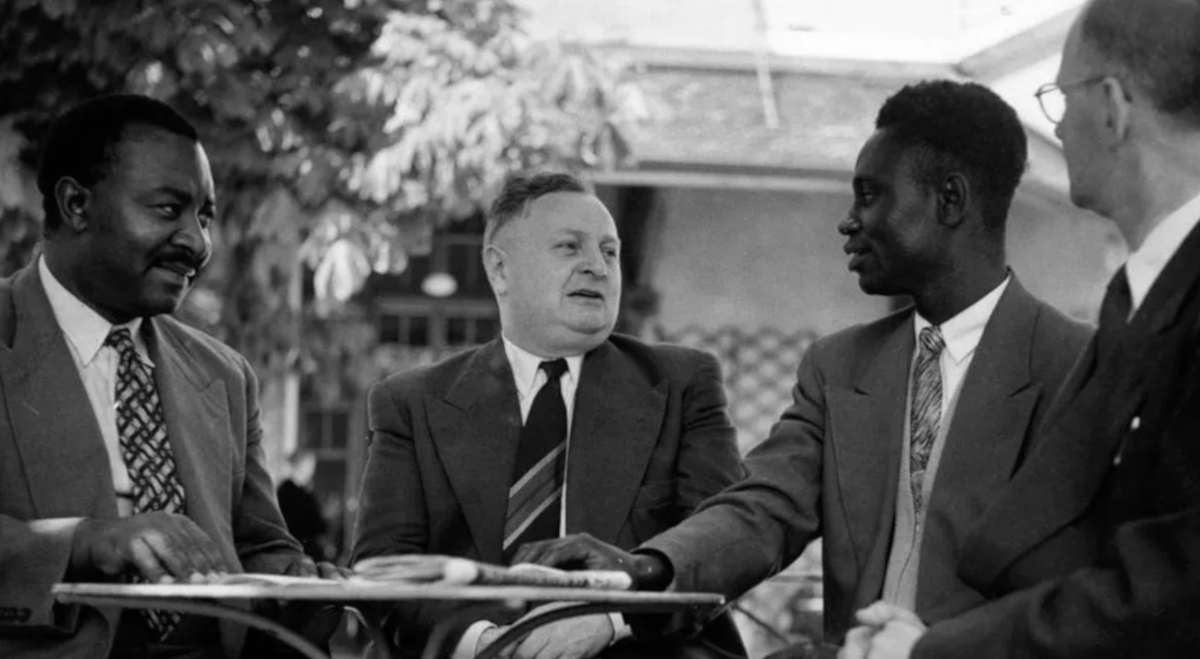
(925, 415)
(145, 449)
(535, 495)
(1114, 313)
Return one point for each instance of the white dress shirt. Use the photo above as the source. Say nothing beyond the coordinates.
(85, 331)
(1147, 263)
(961, 334)
(529, 379)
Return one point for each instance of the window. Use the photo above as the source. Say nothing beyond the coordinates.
(406, 315)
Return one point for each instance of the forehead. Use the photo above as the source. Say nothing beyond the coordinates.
(883, 156)
(570, 211)
(148, 157)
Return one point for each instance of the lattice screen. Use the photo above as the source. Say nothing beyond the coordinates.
(759, 368)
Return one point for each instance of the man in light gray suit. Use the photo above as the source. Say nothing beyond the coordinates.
(130, 444)
(900, 428)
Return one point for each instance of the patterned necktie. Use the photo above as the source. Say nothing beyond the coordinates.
(535, 496)
(145, 449)
(926, 412)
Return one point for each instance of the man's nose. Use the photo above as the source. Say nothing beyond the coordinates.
(595, 264)
(193, 236)
(848, 225)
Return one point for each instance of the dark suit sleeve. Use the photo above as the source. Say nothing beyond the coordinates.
(393, 516)
(708, 458)
(759, 525)
(1143, 601)
(259, 534)
(34, 555)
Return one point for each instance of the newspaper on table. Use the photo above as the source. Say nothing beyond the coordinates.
(436, 569)
(430, 568)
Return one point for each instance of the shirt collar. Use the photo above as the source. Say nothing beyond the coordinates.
(963, 332)
(1160, 245)
(85, 329)
(525, 367)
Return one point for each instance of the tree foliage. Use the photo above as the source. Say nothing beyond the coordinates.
(341, 133)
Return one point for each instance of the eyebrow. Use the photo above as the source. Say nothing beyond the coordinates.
(576, 233)
(180, 193)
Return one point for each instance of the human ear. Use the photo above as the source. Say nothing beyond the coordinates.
(953, 198)
(72, 199)
(495, 264)
(1118, 110)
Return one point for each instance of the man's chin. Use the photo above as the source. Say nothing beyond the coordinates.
(589, 335)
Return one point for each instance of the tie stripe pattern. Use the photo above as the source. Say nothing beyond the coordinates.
(145, 449)
(925, 414)
(535, 496)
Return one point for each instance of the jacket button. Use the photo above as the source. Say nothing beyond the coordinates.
(1135, 423)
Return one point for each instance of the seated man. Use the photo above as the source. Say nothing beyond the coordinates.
(129, 442)
(901, 428)
(559, 426)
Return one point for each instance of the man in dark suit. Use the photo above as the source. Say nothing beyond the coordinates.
(129, 443)
(557, 426)
(1122, 451)
(900, 428)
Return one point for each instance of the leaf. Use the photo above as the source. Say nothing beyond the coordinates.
(341, 273)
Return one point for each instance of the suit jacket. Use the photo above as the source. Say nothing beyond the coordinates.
(831, 465)
(1122, 454)
(54, 464)
(650, 440)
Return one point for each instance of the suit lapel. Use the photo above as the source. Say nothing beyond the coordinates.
(989, 427)
(995, 404)
(197, 418)
(866, 428)
(1084, 430)
(55, 431)
(476, 428)
(614, 430)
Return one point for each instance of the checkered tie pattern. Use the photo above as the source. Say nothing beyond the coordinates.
(925, 415)
(535, 496)
(145, 449)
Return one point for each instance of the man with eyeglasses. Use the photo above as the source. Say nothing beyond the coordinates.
(1123, 448)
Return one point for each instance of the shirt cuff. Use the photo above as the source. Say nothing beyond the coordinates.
(466, 645)
(621, 631)
(62, 528)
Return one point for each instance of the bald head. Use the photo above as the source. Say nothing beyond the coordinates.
(1153, 45)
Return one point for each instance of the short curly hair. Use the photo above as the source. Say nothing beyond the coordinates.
(82, 143)
(961, 126)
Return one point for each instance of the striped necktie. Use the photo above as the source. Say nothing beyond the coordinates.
(925, 414)
(535, 495)
(145, 449)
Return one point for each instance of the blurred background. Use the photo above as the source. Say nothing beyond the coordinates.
(355, 143)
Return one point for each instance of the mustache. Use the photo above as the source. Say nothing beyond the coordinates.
(183, 257)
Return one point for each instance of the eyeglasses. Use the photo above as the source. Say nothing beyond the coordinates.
(1052, 97)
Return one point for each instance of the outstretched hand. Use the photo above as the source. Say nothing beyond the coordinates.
(649, 571)
(159, 546)
(579, 551)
